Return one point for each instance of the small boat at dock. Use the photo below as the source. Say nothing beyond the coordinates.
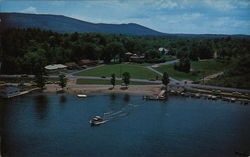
(154, 97)
(81, 96)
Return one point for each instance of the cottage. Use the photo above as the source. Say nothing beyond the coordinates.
(163, 50)
(72, 65)
(137, 58)
(129, 53)
(55, 67)
(87, 62)
(9, 91)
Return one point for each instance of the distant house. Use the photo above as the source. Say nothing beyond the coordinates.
(163, 50)
(127, 56)
(87, 62)
(129, 53)
(72, 65)
(9, 91)
(137, 58)
(55, 67)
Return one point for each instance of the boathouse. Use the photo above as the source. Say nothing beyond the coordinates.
(9, 91)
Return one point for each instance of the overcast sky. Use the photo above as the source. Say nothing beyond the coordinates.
(168, 16)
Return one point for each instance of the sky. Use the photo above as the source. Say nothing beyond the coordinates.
(168, 16)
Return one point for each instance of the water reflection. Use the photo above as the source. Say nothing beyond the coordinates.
(118, 104)
(164, 106)
(41, 106)
(126, 98)
(112, 96)
(63, 99)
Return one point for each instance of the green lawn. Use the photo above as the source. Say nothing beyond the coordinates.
(118, 69)
(118, 82)
(201, 68)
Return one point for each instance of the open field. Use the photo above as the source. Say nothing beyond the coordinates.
(200, 69)
(118, 69)
(107, 82)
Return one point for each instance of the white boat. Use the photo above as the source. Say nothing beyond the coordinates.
(97, 120)
(81, 96)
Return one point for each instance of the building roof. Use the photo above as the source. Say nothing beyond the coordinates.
(71, 64)
(86, 61)
(128, 53)
(137, 57)
(55, 66)
(163, 49)
(9, 89)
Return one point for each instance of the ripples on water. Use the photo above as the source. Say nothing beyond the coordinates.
(42, 125)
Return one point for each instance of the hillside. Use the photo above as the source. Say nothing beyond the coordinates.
(63, 24)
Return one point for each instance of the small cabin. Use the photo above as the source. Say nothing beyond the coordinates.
(72, 66)
(137, 58)
(7, 92)
(87, 62)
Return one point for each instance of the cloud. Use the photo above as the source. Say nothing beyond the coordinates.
(167, 4)
(223, 5)
(57, 3)
(244, 3)
(29, 10)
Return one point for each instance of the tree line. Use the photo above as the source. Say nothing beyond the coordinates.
(29, 50)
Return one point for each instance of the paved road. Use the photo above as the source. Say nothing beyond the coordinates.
(167, 62)
(72, 74)
(108, 78)
(160, 73)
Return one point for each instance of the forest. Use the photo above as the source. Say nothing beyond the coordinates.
(28, 50)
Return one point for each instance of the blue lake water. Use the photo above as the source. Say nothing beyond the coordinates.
(51, 125)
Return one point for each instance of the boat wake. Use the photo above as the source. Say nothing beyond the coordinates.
(108, 116)
(112, 115)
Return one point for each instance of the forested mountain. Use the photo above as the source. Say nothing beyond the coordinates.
(63, 24)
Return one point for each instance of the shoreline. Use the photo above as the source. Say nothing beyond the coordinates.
(106, 89)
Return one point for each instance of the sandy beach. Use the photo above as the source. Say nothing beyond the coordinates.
(86, 89)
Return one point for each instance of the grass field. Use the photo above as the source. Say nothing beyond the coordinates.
(118, 69)
(201, 69)
(118, 82)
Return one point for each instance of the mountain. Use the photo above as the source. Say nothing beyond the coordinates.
(63, 24)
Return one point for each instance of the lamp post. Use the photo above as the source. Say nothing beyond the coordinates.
(120, 71)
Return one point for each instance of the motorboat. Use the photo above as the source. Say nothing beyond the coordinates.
(81, 96)
(97, 120)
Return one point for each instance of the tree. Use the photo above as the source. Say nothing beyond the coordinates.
(152, 54)
(62, 80)
(114, 49)
(113, 80)
(40, 79)
(184, 65)
(126, 78)
(165, 79)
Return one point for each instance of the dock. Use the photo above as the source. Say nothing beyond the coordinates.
(232, 97)
(160, 96)
(22, 93)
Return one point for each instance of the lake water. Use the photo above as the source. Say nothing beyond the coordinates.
(50, 125)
